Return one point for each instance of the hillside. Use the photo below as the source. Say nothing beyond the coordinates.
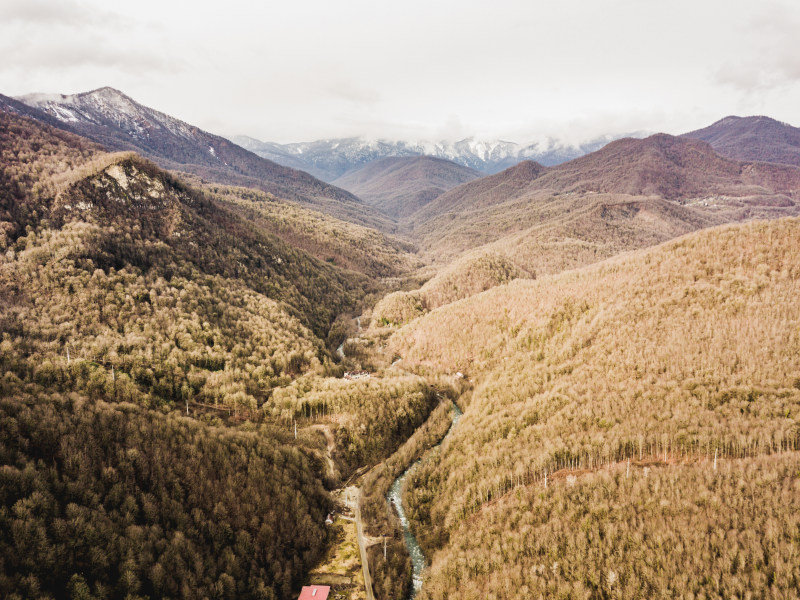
(670, 167)
(660, 165)
(117, 122)
(186, 390)
(753, 139)
(157, 348)
(487, 191)
(538, 237)
(628, 195)
(347, 245)
(667, 358)
(399, 187)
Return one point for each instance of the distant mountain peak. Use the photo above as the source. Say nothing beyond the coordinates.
(117, 122)
(755, 138)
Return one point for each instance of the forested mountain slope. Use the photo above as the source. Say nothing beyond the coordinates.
(666, 356)
(752, 138)
(348, 245)
(146, 332)
(628, 195)
(118, 123)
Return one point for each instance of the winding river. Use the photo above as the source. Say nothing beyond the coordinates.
(395, 497)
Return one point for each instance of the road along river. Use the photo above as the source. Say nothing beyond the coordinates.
(395, 498)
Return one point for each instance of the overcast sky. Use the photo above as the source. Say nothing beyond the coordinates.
(416, 69)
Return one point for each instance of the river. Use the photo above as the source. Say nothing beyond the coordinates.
(340, 349)
(395, 497)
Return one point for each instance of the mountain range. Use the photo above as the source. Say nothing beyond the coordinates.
(196, 361)
(330, 159)
(681, 170)
(118, 123)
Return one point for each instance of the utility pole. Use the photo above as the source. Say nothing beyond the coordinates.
(384, 547)
(715, 459)
(295, 430)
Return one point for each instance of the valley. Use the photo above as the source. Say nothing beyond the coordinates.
(205, 354)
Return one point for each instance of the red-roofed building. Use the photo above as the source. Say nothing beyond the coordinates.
(314, 592)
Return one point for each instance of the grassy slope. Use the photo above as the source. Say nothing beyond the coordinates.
(685, 348)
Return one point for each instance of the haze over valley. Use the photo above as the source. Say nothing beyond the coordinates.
(511, 327)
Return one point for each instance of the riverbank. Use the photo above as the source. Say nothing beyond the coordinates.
(390, 565)
(395, 499)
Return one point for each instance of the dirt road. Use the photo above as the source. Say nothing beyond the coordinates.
(352, 497)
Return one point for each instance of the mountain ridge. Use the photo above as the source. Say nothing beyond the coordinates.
(117, 122)
(755, 138)
(672, 167)
(333, 158)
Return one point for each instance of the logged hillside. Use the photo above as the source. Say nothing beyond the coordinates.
(752, 138)
(675, 354)
(399, 186)
(118, 123)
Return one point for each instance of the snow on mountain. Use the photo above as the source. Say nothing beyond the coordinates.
(330, 159)
(107, 106)
(117, 122)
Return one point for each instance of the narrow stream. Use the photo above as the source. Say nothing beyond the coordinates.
(395, 498)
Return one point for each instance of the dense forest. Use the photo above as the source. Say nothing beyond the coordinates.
(106, 500)
(684, 531)
(184, 383)
(159, 342)
(685, 354)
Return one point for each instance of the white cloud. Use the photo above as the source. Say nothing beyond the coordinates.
(516, 69)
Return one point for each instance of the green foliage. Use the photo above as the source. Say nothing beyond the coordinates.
(373, 416)
(109, 501)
